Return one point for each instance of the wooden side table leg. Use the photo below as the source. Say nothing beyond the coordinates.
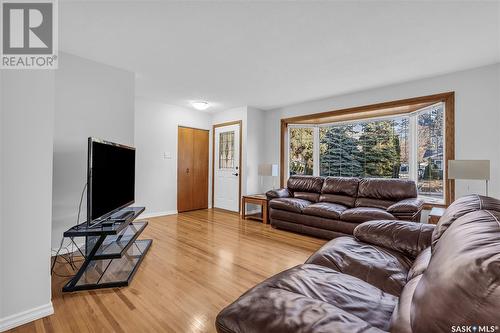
(243, 208)
(264, 212)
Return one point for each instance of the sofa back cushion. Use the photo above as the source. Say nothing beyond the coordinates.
(461, 285)
(461, 207)
(420, 264)
(400, 320)
(340, 190)
(382, 192)
(309, 196)
(305, 187)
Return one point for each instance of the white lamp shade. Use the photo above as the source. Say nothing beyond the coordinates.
(469, 169)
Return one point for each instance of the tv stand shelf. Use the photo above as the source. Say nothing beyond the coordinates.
(112, 252)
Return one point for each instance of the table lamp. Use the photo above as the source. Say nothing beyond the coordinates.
(469, 169)
(269, 170)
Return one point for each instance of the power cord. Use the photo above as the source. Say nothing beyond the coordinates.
(70, 253)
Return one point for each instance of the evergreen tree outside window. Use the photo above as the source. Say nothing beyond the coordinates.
(301, 151)
(365, 149)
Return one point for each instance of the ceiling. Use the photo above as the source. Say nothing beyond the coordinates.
(271, 54)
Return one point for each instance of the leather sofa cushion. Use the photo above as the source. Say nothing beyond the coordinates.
(387, 189)
(278, 193)
(363, 214)
(341, 185)
(289, 204)
(291, 301)
(340, 190)
(325, 209)
(460, 207)
(305, 184)
(409, 238)
(312, 197)
(400, 320)
(406, 206)
(375, 203)
(312, 221)
(382, 268)
(420, 264)
(338, 199)
(461, 285)
(318, 232)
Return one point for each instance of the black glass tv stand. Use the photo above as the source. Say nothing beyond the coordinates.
(112, 251)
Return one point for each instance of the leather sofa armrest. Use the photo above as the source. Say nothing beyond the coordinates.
(406, 206)
(279, 193)
(409, 238)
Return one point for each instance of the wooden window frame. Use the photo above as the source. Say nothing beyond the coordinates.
(392, 108)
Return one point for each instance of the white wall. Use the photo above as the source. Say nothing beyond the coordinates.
(477, 116)
(92, 99)
(255, 150)
(156, 134)
(1, 191)
(26, 192)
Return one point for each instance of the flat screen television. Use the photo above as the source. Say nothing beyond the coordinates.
(110, 179)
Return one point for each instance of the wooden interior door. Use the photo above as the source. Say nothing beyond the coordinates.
(192, 169)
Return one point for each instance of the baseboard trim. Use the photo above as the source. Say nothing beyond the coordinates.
(25, 317)
(156, 214)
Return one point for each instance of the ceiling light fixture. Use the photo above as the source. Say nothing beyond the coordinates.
(200, 105)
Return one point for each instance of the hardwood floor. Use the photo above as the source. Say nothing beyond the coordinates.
(199, 262)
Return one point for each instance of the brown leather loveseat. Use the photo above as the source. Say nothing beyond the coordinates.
(392, 276)
(333, 206)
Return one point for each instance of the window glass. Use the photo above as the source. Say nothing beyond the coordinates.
(301, 151)
(226, 150)
(377, 148)
(430, 153)
(409, 146)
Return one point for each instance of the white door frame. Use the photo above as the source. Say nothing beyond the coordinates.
(239, 123)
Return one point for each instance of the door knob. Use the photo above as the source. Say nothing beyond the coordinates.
(235, 174)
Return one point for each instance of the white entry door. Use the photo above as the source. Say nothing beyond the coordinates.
(226, 167)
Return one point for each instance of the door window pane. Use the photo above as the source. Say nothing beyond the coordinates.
(430, 153)
(226, 150)
(301, 151)
(377, 148)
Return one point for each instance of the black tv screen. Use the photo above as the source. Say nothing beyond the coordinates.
(111, 178)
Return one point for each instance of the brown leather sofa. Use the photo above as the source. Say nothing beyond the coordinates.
(333, 206)
(392, 276)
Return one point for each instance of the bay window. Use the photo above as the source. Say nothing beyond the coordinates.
(409, 145)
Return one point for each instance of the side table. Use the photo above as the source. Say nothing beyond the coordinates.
(256, 199)
(435, 215)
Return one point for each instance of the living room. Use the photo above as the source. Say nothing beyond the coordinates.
(250, 166)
